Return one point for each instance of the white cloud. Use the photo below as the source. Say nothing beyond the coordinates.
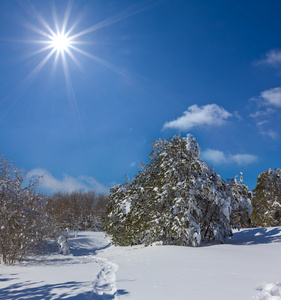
(261, 123)
(67, 183)
(133, 164)
(218, 157)
(195, 115)
(269, 101)
(272, 97)
(215, 156)
(243, 159)
(237, 115)
(262, 113)
(272, 58)
(263, 129)
(271, 133)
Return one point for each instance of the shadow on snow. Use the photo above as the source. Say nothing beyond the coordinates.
(83, 251)
(27, 290)
(255, 236)
(109, 297)
(31, 290)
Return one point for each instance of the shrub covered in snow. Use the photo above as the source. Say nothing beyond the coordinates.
(267, 199)
(105, 282)
(176, 198)
(63, 243)
(22, 222)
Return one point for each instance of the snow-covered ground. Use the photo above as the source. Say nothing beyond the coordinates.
(248, 266)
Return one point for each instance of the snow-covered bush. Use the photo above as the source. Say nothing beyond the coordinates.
(104, 286)
(22, 219)
(267, 199)
(176, 198)
(63, 243)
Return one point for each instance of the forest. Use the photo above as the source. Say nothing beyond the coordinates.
(176, 199)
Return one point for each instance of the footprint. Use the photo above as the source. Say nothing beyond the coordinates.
(104, 286)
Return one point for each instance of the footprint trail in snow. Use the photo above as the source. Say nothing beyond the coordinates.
(104, 286)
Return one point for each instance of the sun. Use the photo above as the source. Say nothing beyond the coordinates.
(58, 39)
(60, 42)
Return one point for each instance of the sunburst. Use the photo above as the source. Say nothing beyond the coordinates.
(61, 40)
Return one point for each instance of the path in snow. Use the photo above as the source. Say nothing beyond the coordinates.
(248, 266)
(269, 291)
(104, 286)
(79, 275)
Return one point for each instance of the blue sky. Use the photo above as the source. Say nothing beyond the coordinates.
(134, 72)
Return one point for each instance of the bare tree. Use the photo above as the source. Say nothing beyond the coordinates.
(77, 210)
(21, 223)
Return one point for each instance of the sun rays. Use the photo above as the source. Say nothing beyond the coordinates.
(54, 38)
(58, 38)
(61, 38)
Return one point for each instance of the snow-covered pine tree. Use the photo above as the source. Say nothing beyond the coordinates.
(241, 206)
(267, 199)
(176, 198)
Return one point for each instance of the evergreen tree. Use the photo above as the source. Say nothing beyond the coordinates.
(241, 208)
(176, 198)
(267, 199)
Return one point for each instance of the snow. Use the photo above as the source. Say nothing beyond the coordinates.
(105, 282)
(247, 266)
(270, 291)
(63, 243)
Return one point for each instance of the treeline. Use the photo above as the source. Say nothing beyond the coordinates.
(29, 219)
(77, 210)
(22, 216)
(176, 198)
